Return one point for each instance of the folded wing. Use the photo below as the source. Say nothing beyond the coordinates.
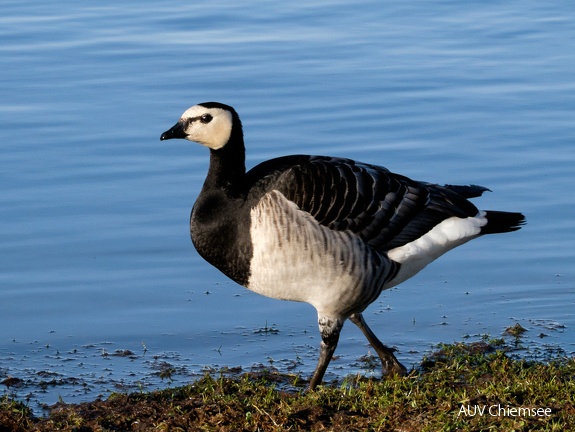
(386, 210)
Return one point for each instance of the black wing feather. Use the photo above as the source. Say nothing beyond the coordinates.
(387, 210)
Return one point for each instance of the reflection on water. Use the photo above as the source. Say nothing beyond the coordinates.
(96, 257)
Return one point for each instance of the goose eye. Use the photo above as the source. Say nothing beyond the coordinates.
(206, 118)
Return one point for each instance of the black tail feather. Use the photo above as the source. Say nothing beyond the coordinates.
(468, 191)
(502, 222)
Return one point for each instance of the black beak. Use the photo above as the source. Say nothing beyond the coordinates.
(176, 131)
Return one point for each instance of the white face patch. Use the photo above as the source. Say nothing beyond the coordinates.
(210, 127)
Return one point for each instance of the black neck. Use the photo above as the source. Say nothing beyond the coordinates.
(227, 165)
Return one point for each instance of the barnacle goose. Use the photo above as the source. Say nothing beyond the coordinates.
(328, 231)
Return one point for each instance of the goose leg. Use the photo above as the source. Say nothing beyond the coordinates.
(390, 365)
(329, 329)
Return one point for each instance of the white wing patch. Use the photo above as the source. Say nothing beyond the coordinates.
(450, 233)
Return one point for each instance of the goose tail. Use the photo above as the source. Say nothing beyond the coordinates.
(502, 222)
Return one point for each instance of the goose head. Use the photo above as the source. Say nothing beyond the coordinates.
(209, 124)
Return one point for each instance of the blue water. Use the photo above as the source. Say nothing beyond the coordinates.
(95, 253)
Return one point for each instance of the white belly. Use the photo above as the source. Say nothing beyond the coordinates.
(295, 258)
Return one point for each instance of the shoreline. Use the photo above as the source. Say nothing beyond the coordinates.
(463, 386)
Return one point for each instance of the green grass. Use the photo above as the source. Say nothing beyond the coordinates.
(439, 396)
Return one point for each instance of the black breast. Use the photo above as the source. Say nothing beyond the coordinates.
(220, 231)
